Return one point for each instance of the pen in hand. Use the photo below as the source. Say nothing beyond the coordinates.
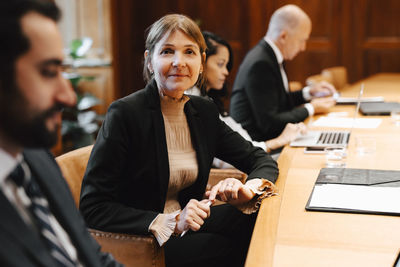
(208, 203)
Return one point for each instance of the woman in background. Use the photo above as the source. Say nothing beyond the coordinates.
(219, 62)
(149, 167)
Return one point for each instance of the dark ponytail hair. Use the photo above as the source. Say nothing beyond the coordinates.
(212, 42)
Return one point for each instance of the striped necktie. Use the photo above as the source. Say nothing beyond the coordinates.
(40, 212)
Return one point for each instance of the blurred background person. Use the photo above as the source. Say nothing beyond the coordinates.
(261, 100)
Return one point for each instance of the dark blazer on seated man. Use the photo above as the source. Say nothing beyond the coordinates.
(21, 244)
(259, 99)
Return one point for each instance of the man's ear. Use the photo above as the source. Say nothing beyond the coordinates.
(149, 66)
(283, 36)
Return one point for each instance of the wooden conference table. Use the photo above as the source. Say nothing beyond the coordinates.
(286, 234)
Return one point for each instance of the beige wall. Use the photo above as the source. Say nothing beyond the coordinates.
(87, 18)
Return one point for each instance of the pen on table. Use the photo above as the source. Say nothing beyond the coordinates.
(208, 203)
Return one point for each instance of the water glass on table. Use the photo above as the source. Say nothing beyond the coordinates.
(365, 145)
(335, 156)
(395, 115)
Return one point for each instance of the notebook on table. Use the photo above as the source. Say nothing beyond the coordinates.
(378, 108)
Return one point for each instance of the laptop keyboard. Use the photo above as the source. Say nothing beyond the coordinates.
(333, 138)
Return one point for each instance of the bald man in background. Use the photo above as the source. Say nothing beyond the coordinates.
(261, 100)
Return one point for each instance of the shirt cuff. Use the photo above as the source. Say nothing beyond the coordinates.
(306, 93)
(263, 189)
(262, 145)
(163, 226)
(309, 108)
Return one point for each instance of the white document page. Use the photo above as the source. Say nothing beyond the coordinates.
(339, 122)
(356, 197)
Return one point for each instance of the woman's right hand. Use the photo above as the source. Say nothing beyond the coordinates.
(289, 133)
(292, 131)
(193, 215)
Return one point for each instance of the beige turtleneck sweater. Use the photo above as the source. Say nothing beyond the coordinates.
(182, 164)
(184, 169)
(181, 155)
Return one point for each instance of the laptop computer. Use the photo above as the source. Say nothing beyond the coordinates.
(378, 108)
(322, 139)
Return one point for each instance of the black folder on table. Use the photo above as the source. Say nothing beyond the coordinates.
(348, 176)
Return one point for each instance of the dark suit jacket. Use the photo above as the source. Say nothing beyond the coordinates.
(259, 100)
(127, 176)
(21, 245)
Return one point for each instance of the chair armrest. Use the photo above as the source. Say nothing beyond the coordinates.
(131, 250)
(217, 175)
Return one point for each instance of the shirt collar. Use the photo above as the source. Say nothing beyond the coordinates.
(7, 164)
(193, 91)
(277, 52)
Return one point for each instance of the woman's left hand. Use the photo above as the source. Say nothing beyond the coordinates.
(230, 190)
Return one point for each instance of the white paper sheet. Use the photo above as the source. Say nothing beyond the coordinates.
(339, 122)
(338, 114)
(358, 197)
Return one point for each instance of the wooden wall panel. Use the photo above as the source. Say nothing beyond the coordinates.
(381, 61)
(321, 48)
(376, 42)
(386, 13)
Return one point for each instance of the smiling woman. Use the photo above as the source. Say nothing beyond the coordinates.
(175, 52)
(176, 63)
(149, 167)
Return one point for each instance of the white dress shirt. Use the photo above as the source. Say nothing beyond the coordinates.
(279, 58)
(21, 201)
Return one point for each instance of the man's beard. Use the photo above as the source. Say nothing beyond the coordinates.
(25, 127)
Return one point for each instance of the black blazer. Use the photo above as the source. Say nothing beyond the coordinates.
(259, 100)
(127, 176)
(21, 245)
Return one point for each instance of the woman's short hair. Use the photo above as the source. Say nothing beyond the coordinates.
(167, 25)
